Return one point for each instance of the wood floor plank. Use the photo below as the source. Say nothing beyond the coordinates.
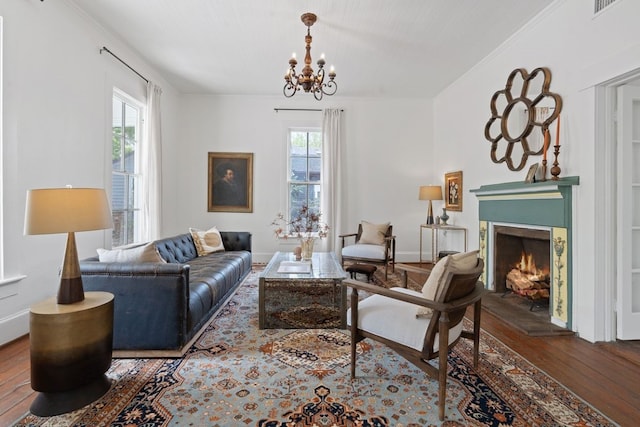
(16, 394)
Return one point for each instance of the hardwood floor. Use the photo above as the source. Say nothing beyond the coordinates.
(16, 394)
(605, 375)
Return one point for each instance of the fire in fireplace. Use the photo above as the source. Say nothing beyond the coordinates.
(527, 280)
(522, 261)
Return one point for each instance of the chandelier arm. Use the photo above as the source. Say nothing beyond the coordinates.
(330, 87)
(320, 78)
(289, 89)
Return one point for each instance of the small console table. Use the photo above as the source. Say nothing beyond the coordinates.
(435, 228)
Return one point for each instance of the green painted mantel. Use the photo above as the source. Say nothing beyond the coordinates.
(545, 203)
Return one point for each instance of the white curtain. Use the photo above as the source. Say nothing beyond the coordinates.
(151, 167)
(332, 206)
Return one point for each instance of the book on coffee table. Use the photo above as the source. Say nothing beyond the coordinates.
(294, 267)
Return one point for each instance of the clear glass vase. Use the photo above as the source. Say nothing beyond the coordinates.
(307, 247)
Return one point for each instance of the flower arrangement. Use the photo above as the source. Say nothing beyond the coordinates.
(304, 225)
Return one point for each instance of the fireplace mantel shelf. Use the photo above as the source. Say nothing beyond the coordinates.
(523, 187)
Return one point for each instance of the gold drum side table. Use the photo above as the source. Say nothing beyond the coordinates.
(71, 346)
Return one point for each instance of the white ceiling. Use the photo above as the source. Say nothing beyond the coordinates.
(403, 48)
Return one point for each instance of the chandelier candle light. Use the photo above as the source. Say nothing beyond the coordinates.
(307, 80)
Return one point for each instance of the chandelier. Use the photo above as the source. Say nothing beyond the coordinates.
(307, 80)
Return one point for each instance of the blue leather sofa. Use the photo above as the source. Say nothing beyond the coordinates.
(158, 307)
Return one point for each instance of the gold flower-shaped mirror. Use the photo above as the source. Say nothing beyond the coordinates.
(516, 127)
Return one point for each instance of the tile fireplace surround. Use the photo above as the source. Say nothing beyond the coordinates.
(542, 205)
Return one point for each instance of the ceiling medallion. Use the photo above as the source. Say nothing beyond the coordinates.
(308, 81)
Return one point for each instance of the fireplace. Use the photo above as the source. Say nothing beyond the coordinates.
(525, 232)
(522, 262)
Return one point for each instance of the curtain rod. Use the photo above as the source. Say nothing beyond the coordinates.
(104, 48)
(298, 109)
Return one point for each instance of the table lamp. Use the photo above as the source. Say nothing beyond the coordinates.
(67, 210)
(430, 192)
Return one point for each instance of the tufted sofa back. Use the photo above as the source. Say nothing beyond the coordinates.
(177, 249)
(181, 249)
(236, 240)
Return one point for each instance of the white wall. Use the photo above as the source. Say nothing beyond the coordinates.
(581, 52)
(388, 157)
(57, 102)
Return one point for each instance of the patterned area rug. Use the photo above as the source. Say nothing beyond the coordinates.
(238, 375)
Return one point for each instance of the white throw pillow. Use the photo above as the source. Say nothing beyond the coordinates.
(373, 234)
(460, 261)
(207, 241)
(144, 253)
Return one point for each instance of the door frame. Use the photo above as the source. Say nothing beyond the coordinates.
(606, 201)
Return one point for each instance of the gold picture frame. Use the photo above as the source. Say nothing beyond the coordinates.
(230, 182)
(531, 174)
(453, 191)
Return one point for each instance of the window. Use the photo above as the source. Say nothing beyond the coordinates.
(305, 166)
(125, 169)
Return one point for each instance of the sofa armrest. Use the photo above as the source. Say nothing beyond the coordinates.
(150, 305)
(236, 240)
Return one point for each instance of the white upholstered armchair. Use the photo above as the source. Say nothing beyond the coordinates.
(416, 324)
(373, 244)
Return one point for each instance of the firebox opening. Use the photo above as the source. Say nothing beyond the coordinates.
(522, 262)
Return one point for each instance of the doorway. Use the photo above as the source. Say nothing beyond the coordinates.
(618, 118)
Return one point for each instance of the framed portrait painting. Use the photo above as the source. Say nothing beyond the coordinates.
(453, 191)
(230, 182)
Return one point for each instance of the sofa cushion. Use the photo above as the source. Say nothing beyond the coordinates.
(373, 234)
(374, 252)
(143, 253)
(395, 320)
(207, 241)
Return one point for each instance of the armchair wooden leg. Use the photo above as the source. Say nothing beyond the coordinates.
(354, 329)
(477, 309)
(443, 347)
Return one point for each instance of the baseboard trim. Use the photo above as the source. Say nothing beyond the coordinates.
(14, 326)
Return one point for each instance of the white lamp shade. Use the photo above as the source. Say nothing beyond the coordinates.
(430, 192)
(64, 210)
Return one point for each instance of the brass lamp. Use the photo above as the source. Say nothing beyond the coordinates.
(430, 192)
(67, 210)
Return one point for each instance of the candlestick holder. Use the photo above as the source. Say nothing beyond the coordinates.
(555, 169)
(543, 171)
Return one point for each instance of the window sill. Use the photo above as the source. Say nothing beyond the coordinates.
(10, 280)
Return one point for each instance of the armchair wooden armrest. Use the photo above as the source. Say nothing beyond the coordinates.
(411, 269)
(465, 301)
(344, 236)
(348, 235)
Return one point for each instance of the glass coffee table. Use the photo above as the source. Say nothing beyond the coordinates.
(301, 300)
